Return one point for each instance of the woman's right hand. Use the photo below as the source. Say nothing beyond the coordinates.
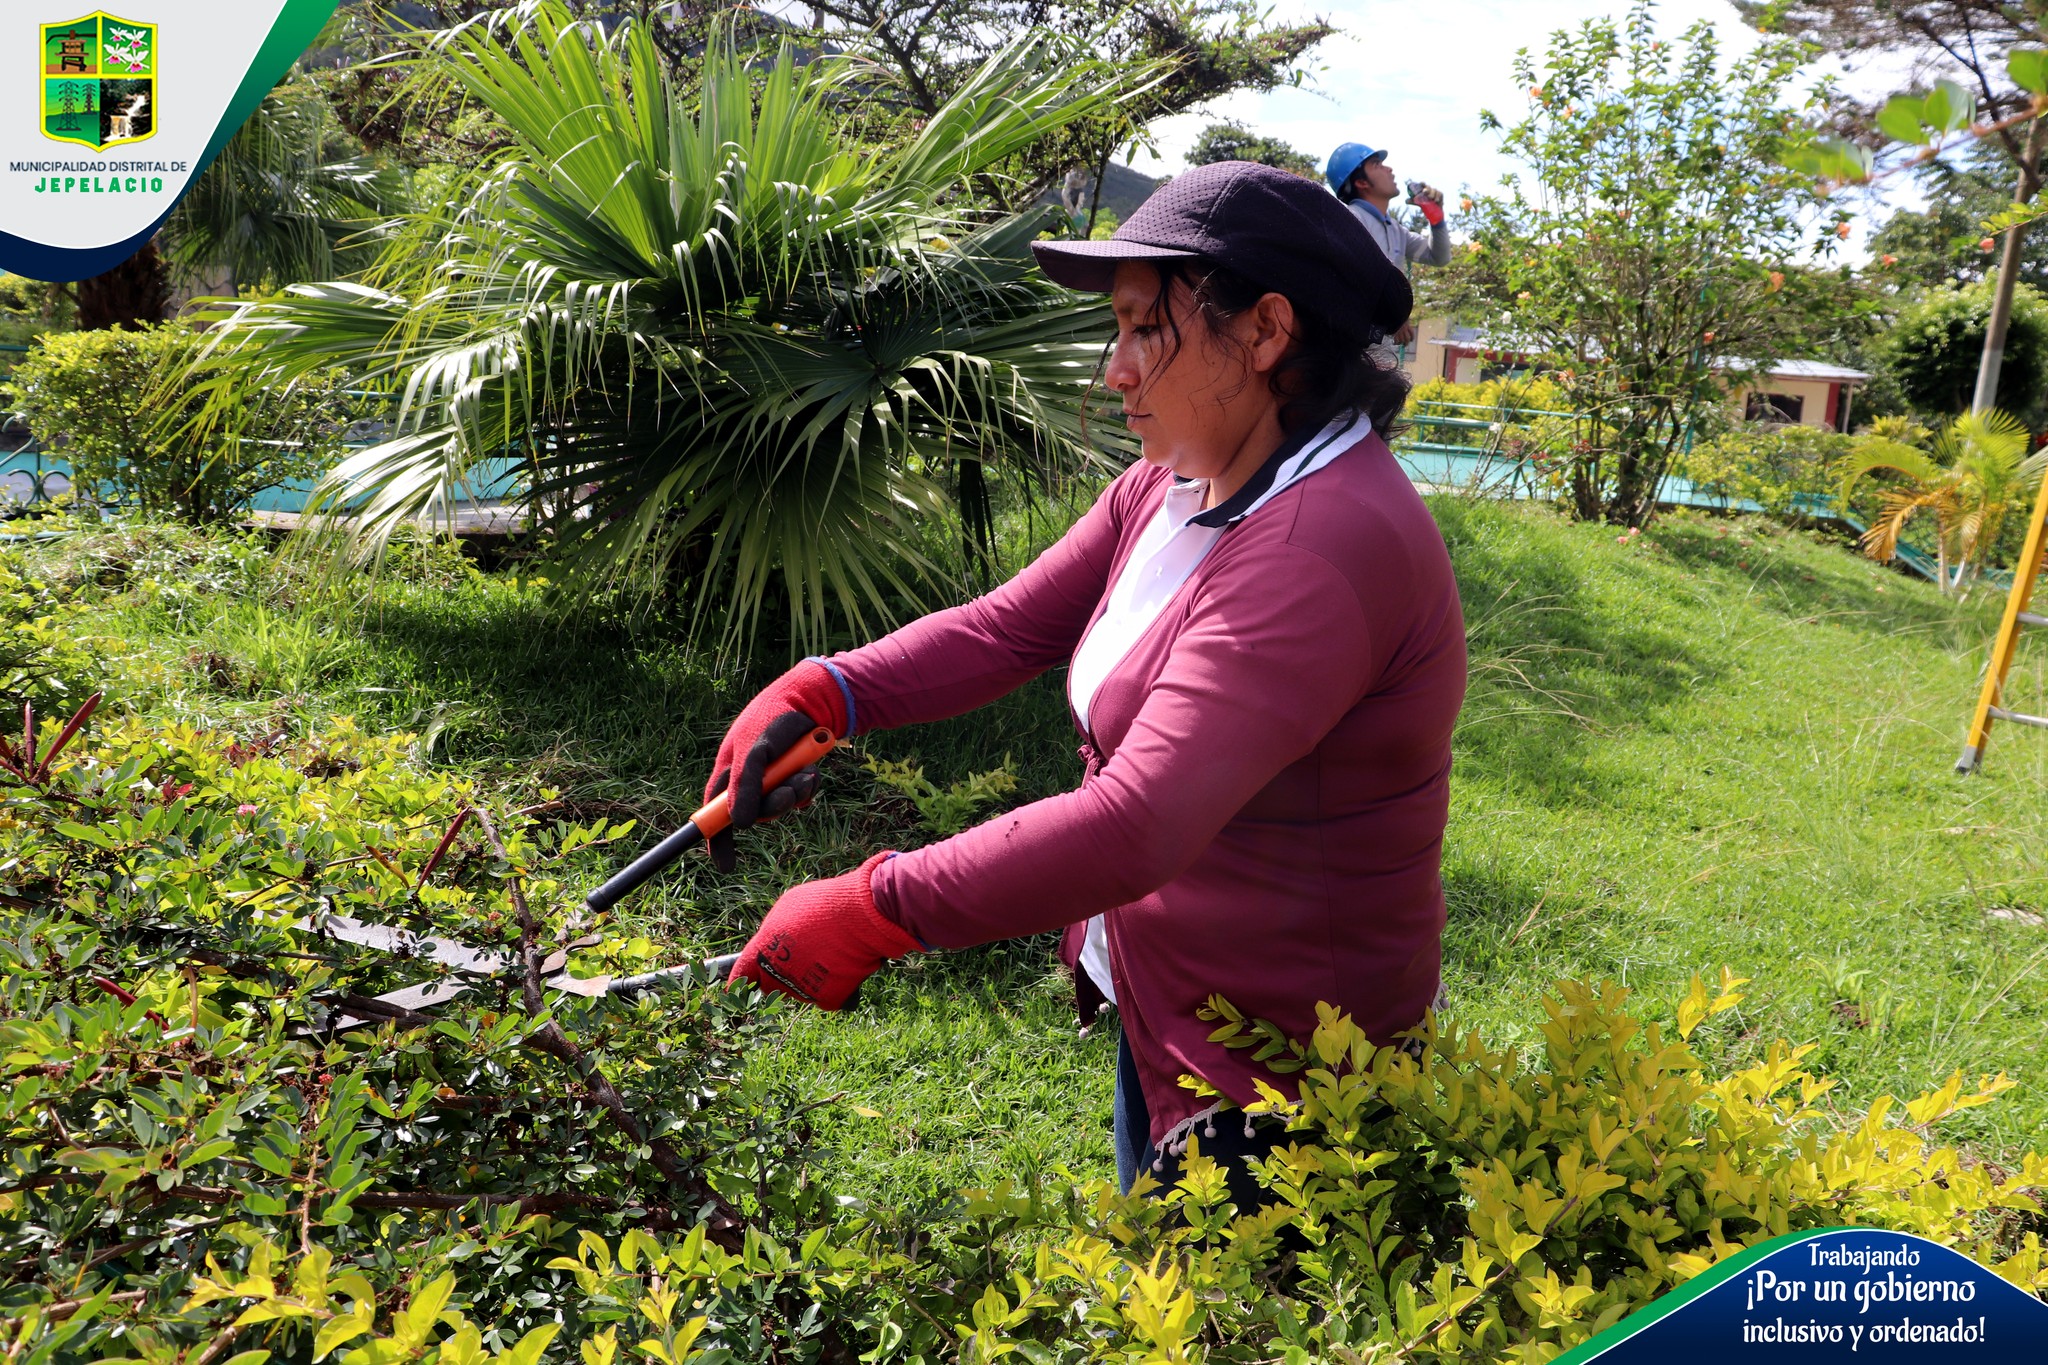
(801, 700)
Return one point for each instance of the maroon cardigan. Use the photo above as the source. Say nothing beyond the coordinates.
(1268, 775)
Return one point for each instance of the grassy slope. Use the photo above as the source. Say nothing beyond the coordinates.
(1717, 744)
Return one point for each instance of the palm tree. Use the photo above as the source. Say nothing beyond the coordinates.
(285, 198)
(732, 348)
(1977, 473)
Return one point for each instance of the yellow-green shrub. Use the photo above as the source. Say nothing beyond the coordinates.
(42, 660)
(1466, 1204)
(1586, 1181)
(1529, 397)
(193, 1168)
(1773, 466)
(1515, 422)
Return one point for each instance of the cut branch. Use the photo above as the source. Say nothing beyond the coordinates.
(724, 1221)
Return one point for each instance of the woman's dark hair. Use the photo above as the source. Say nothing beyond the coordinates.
(1327, 374)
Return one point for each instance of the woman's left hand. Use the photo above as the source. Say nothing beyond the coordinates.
(823, 939)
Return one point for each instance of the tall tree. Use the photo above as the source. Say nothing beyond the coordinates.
(1233, 141)
(1942, 241)
(135, 293)
(1649, 240)
(285, 200)
(1966, 40)
(1213, 47)
(288, 199)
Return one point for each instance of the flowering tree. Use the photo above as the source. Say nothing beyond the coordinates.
(1993, 47)
(1641, 250)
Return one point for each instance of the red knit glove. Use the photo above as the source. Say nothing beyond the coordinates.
(1432, 208)
(823, 939)
(786, 710)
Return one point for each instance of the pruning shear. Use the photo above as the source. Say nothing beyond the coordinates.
(714, 816)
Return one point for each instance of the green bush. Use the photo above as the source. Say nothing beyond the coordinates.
(1932, 351)
(196, 1165)
(117, 406)
(42, 660)
(1773, 466)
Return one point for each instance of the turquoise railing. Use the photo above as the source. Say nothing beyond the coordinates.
(1450, 465)
(28, 474)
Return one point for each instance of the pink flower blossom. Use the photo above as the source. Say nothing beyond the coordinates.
(246, 808)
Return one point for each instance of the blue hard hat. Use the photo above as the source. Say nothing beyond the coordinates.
(1344, 163)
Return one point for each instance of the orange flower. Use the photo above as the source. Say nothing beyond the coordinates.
(1777, 280)
(1986, 245)
(1842, 231)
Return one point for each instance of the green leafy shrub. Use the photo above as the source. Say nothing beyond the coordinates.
(1772, 466)
(196, 1165)
(946, 812)
(118, 407)
(176, 1101)
(1932, 350)
(42, 659)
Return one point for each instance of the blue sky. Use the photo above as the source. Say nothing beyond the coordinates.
(1412, 76)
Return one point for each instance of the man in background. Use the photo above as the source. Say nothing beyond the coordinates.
(1362, 179)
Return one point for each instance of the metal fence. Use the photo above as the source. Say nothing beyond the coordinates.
(1446, 447)
(26, 476)
(30, 474)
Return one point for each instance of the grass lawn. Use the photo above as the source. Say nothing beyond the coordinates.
(1717, 743)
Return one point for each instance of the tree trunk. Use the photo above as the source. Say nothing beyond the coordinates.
(1095, 199)
(977, 520)
(2008, 275)
(1585, 474)
(134, 294)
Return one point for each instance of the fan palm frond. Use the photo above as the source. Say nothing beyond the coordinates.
(285, 200)
(1898, 506)
(723, 341)
(1873, 453)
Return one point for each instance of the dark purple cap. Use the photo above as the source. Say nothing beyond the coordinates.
(1277, 230)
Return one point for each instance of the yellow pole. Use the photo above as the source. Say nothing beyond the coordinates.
(2023, 575)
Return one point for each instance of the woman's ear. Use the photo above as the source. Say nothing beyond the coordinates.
(1271, 332)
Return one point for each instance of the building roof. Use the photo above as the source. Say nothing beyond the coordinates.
(1472, 338)
(1816, 369)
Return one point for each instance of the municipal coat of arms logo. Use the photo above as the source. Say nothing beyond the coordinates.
(99, 81)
